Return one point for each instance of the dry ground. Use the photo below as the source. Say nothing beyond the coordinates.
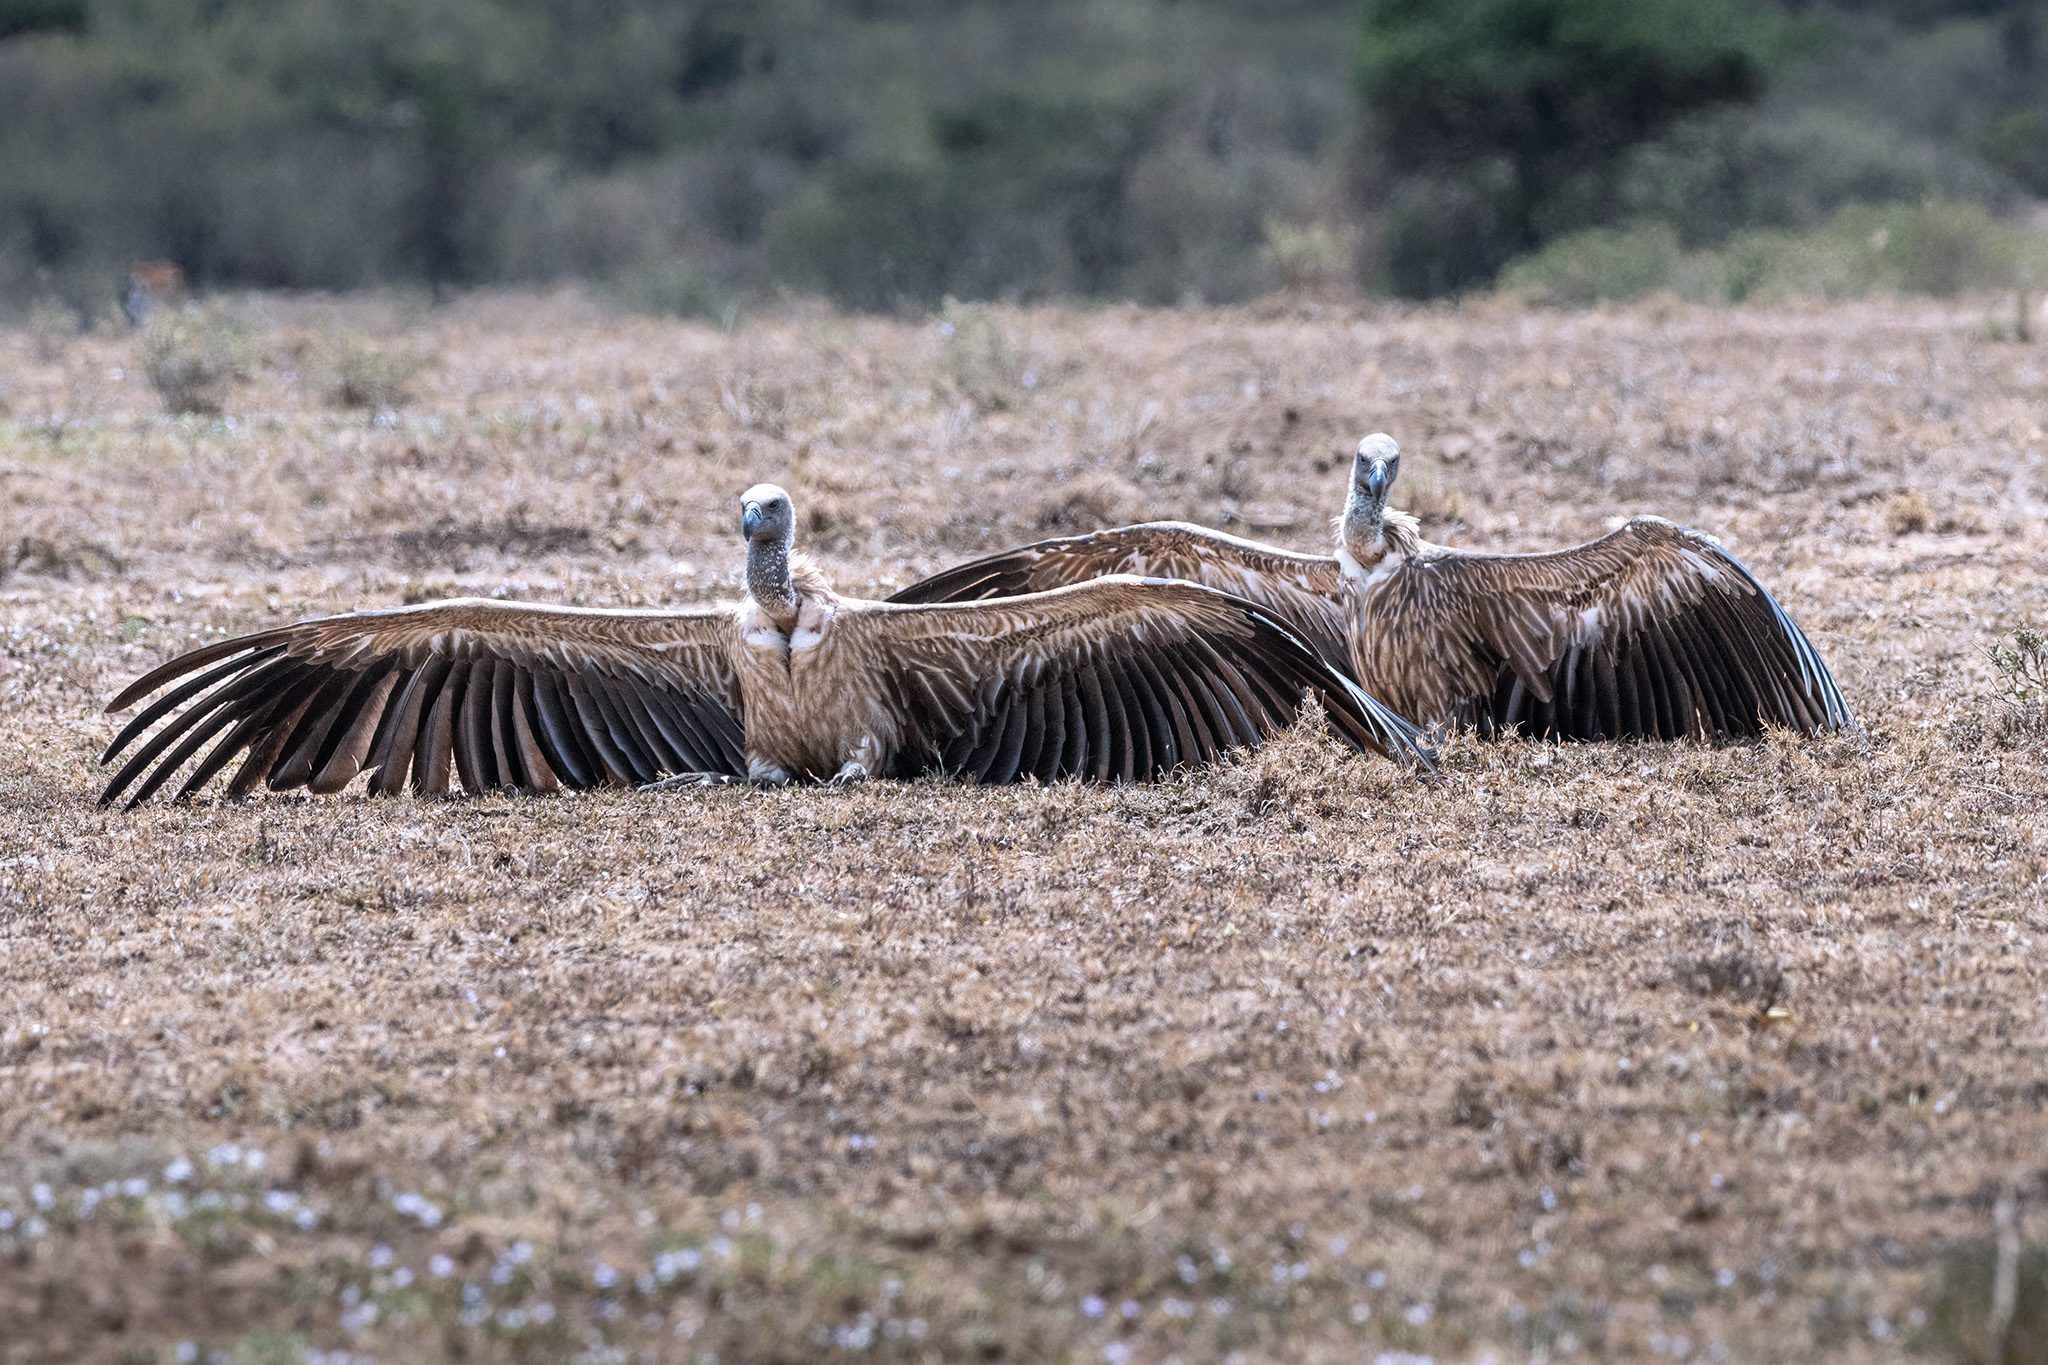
(1591, 1051)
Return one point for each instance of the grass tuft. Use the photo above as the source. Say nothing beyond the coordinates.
(194, 357)
(362, 375)
(2021, 685)
(981, 360)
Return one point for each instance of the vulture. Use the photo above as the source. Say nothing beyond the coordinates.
(1117, 679)
(1655, 631)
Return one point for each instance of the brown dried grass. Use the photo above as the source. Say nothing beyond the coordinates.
(1720, 1053)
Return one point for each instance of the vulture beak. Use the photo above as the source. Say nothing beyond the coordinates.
(1378, 478)
(750, 519)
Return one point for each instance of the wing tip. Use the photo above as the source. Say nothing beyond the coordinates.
(1376, 727)
(1414, 747)
(136, 691)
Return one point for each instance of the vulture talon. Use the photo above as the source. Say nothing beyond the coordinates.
(1653, 632)
(794, 683)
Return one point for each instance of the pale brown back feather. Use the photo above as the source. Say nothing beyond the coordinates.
(1303, 590)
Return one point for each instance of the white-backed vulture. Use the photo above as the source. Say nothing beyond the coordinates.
(1653, 632)
(1119, 679)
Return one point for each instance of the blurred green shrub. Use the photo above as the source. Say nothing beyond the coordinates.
(1312, 258)
(194, 356)
(2017, 144)
(980, 359)
(1938, 248)
(1197, 223)
(1599, 264)
(41, 16)
(1440, 234)
(360, 374)
(52, 326)
(873, 235)
(1497, 125)
(675, 288)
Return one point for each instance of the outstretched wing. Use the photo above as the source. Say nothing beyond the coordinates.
(1118, 679)
(505, 694)
(1652, 632)
(1303, 590)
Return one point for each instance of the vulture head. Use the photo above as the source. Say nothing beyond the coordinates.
(1363, 527)
(769, 523)
(1377, 464)
(766, 516)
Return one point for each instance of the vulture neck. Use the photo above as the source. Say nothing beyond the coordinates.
(770, 581)
(1372, 531)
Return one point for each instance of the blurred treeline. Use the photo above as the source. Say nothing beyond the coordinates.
(696, 155)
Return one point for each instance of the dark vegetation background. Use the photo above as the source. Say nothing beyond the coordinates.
(700, 157)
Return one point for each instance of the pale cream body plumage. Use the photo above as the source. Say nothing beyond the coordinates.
(1652, 632)
(799, 688)
(1117, 679)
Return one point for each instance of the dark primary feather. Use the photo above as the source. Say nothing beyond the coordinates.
(1090, 696)
(490, 696)
(1688, 645)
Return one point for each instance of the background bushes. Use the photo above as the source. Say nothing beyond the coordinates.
(692, 157)
(1938, 247)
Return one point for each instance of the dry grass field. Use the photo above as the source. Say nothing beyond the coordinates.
(1573, 1052)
